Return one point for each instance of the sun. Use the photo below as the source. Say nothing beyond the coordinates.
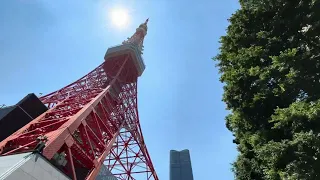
(119, 17)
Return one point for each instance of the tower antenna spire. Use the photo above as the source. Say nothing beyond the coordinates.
(138, 37)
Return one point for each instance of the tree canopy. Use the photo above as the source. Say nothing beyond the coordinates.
(269, 62)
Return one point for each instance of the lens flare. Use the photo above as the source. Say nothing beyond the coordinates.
(119, 17)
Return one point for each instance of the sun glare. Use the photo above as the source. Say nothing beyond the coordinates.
(119, 17)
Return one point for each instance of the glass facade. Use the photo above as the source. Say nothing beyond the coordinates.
(180, 165)
(105, 174)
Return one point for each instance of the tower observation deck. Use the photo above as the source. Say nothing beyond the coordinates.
(93, 123)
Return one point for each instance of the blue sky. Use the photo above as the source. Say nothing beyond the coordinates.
(45, 45)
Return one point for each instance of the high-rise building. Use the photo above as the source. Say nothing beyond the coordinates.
(180, 165)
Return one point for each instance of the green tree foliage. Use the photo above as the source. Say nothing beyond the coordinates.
(270, 64)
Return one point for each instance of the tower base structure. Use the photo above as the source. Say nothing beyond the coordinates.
(34, 166)
(29, 166)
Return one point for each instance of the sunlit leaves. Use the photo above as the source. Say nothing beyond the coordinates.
(270, 64)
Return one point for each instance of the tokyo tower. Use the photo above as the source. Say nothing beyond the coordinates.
(93, 123)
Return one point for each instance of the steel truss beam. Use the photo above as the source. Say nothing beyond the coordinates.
(90, 122)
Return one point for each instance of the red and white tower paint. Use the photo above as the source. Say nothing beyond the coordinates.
(94, 122)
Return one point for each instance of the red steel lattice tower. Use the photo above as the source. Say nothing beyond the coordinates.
(94, 122)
